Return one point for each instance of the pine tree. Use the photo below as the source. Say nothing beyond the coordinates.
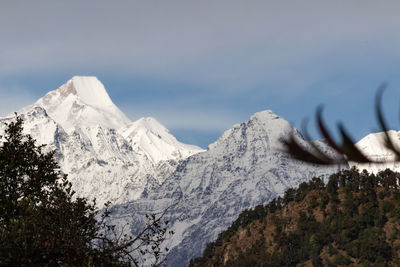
(43, 224)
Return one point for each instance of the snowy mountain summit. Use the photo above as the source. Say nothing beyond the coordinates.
(151, 138)
(245, 167)
(105, 154)
(82, 102)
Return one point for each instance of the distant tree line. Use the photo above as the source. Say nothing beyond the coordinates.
(352, 219)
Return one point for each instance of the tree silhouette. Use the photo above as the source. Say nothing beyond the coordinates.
(42, 223)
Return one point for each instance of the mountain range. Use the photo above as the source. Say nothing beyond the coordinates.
(105, 155)
(142, 168)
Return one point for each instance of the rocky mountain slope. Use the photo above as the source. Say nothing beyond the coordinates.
(207, 191)
(106, 156)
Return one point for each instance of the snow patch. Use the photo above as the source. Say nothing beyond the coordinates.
(373, 146)
(91, 91)
(151, 138)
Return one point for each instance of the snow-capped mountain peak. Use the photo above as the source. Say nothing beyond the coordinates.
(82, 102)
(91, 91)
(373, 146)
(150, 137)
(262, 123)
(150, 124)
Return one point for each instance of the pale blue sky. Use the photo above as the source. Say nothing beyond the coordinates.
(201, 66)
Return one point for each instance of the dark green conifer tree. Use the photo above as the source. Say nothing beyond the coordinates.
(43, 224)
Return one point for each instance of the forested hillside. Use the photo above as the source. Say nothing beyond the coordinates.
(351, 219)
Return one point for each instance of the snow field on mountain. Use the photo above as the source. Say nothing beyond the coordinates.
(80, 121)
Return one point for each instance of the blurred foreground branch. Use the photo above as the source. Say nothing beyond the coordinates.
(346, 147)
